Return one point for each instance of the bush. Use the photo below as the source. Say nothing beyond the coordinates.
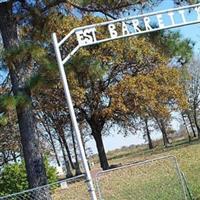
(51, 172)
(13, 177)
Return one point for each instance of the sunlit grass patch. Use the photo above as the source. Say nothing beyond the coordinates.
(74, 191)
(159, 179)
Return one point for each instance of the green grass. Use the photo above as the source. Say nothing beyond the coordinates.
(74, 191)
(158, 180)
(188, 156)
(153, 180)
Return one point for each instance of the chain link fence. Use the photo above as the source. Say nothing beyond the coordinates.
(68, 189)
(159, 178)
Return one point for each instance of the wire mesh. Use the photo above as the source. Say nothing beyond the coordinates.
(148, 180)
(159, 178)
(68, 189)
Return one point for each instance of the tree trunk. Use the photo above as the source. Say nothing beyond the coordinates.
(83, 142)
(62, 136)
(77, 166)
(84, 146)
(47, 129)
(161, 125)
(67, 165)
(30, 144)
(191, 124)
(196, 122)
(185, 124)
(148, 134)
(33, 159)
(54, 148)
(5, 158)
(101, 150)
(164, 133)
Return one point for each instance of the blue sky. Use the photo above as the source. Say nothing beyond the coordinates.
(116, 141)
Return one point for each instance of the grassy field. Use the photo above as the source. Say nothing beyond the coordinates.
(155, 180)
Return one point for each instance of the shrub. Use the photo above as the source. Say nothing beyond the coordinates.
(13, 177)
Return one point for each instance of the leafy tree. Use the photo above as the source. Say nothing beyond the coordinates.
(54, 117)
(191, 84)
(95, 70)
(151, 95)
(10, 148)
(179, 53)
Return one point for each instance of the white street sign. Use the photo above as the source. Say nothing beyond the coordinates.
(131, 26)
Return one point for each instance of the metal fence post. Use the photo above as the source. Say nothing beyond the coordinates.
(73, 117)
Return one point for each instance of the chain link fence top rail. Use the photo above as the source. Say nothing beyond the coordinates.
(157, 179)
(69, 189)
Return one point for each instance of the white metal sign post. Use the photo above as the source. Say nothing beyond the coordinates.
(131, 26)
